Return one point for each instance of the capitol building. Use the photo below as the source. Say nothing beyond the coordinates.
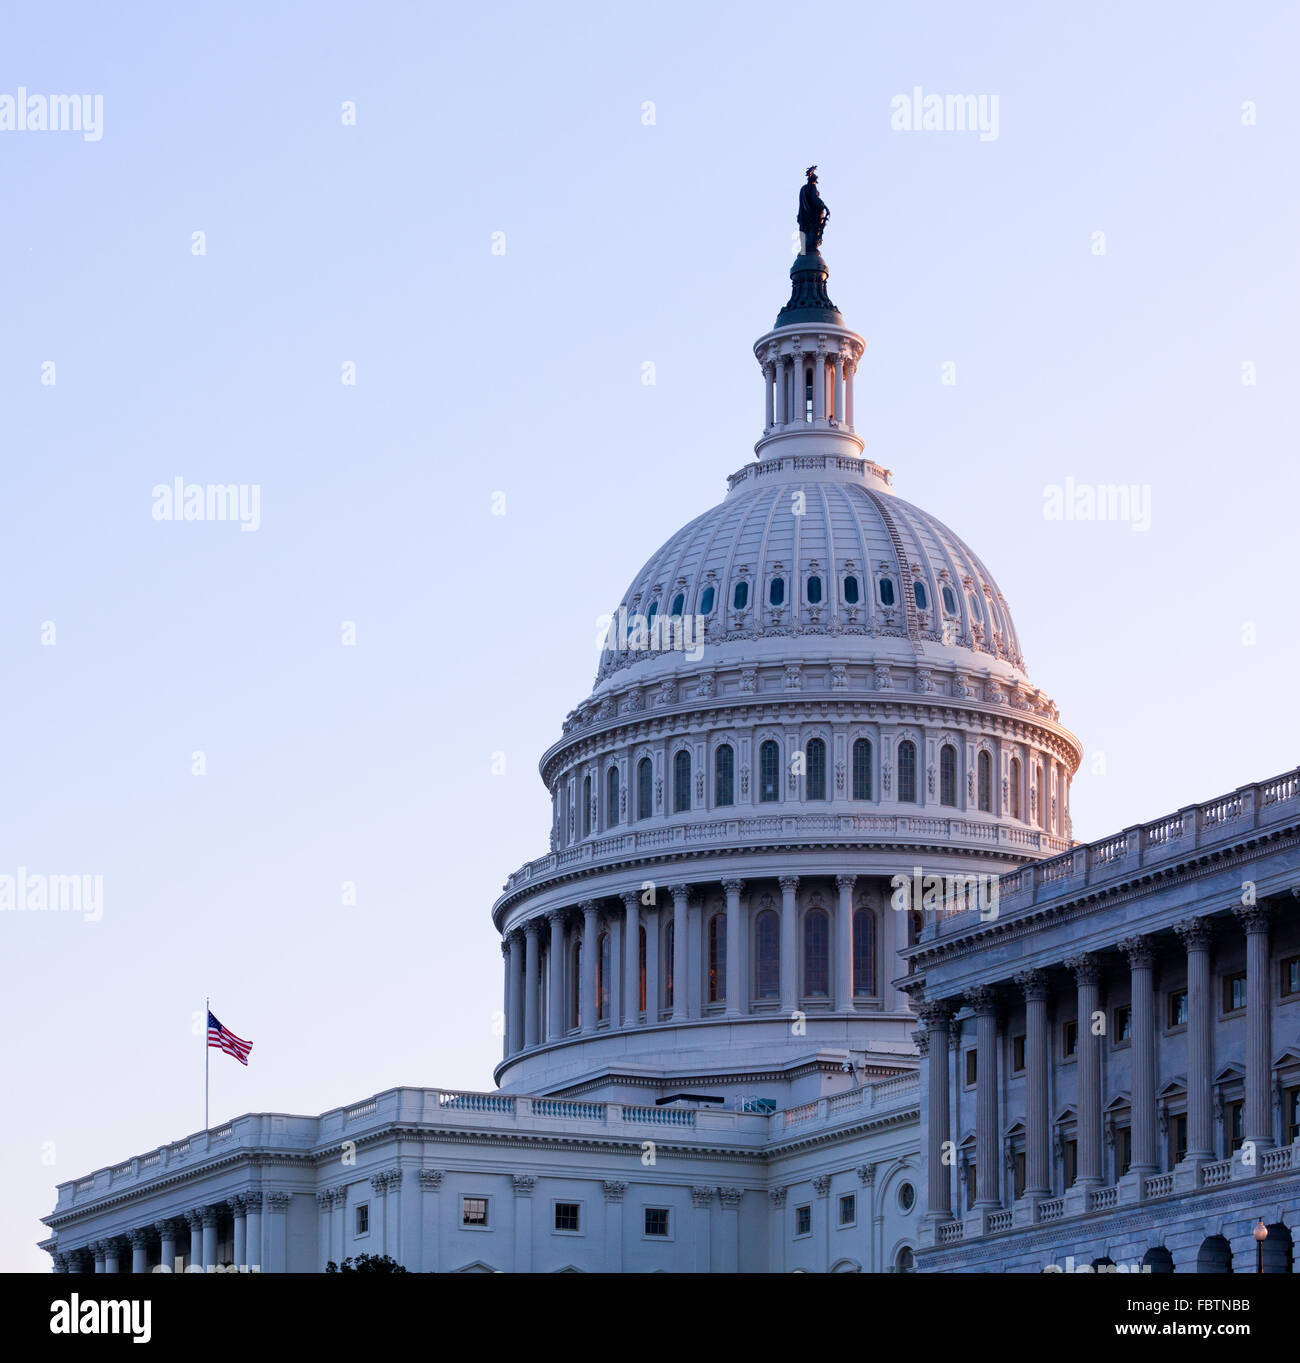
(814, 976)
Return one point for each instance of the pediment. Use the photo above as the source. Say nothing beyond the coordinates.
(478, 1266)
(1288, 1058)
(1121, 1100)
(1230, 1074)
(1066, 1114)
(1177, 1086)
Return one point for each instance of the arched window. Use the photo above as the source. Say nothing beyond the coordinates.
(724, 775)
(669, 953)
(949, 601)
(906, 1261)
(864, 953)
(851, 591)
(816, 769)
(919, 596)
(576, 1019)
(769, 772)
(740, 598)
(718, 958)
(681, 782)
(767, 955)
(650, 615)
(984, 782)
(814, 591)
(679, 604)
(611, 797)
(886, 591)
(862, 769)
(586, 806)
(706, 601)
(640, 998)
(1015, 787)
(907, 771)
(602, 977)
(776, 592)
(947, 775)
(644, 788)
(816, 954)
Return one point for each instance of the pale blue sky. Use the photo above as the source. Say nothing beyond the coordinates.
(521, 373)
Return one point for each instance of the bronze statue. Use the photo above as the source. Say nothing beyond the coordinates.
(813, 213)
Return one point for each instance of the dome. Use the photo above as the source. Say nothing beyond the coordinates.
(820, 551)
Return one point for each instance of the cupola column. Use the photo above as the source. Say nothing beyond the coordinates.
(555, 986)
(850, 369)
(632, 958)
(681, 941)
(770, 371)
(590, 946)
(818, 361)
(532, 981)
(733, 889)
(844, 944)
(779, 377)
(789, 939)
(515, 1018)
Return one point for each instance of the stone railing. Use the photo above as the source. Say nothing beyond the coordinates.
(569, 1110)
(1052, 1209)
(1103, 1199)
(477, 1102)
(948, 1232)
(1275, 1161)
(367, 1109)
(1159, 1185)
(1214, 1174)
(792, 1116)
(999, 1221)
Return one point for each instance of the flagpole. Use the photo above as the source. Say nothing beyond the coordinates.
(207, 1003)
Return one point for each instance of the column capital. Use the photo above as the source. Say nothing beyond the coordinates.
(845, 882)
(557, 916)
(788, 883)
(680, 891)
(866, 1175)
(430, 1179)
(533, 926)
(731, 1197)
(984, 1000)
(935, 1012)
(209, 1216)
(1085, 967)
(236, 1203)
(253, 1201)
(1140, 952)
(139, 1237)
(1252, 917)
(614, 1190)
(1033, 983)
(165, 1226)
(589, 906)
(733, 886)
(921, 1040)
(1196, 934)
(278, 1202)
(194, 1218)
(524, 1184)
(631, 899)
(701, 1197)
(325, 1199)
(822, 1184)
(505, 947)
(778, 1196)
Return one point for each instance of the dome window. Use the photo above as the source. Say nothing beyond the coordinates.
(769, 773)
(907, 772)
(740, 599)
(918, 594)
(724, 775)
(815, 769)
(706, 602)
(776, 592)
(814, 591)
(679, 605)
(886, 591)
(950, 601)
(851, 590)
(651, 613)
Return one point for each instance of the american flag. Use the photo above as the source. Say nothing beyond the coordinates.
(225, 1040)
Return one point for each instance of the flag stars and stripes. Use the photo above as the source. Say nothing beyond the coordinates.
(225, 1040)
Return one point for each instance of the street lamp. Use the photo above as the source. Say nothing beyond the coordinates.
(1261, 1234)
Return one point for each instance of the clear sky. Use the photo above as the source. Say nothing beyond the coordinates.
(629, 236)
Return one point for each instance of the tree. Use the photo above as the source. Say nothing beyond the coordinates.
(366, 1263)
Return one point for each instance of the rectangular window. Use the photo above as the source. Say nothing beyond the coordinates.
(1178, 1137)
(1020, 1174)
(1071, 1162)
(1291, 976)
(972, 1068)
(1234, 991)
(803, 1220)
(1291, 1114)
(972, 1185)
(474, 1212)
(1017, 1054)
(1070, 1038)
(566, 1216)
(1124, 1148)
(656, 1222)
(1123, 1023)
(1178, 1008)
(363, 1219)
(848, 1209)
(1235, 1122)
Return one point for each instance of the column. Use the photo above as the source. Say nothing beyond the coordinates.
(681, 927)
(276, 1236)
(209, 1239)
(702, 1201)
(532, 961)
(505, 1001)
(112, 1253)
(555, 989)
(789, 939)
(729, 1250)
(139, 1251)
(844, 944)
(850, 369)
(195, 1221)
(781, 404)
(653, 986)
(631, 958)
(987, 1170)
(777, 1260)
(515, 1018)
(340, 1220)
(1038, 1168)
(236, 1205)
(430, 1187)
(253, 1244)
(769, 385)
(614, 926)
(167, 1252)
(1087, 975)
(523, 1184)
(378, 1215)
(818, 361)
(732, 889)
(1141, 960)
(1195, 935)
(1258, 1113)
(839, 389)
(822, 1214)
(590, 946)
(324, 1241)
(937, 1016)
(614, 1190)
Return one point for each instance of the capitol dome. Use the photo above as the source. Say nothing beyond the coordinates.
(810, 690)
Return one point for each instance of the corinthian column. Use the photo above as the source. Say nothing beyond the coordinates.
(590, 947)
(1038, 1170)
(789, 948)
(1195, 934)
(555, 985)
(531, 981)
(632, 958)
(732, 888)
(1258, 1114)
(844, 944)
(515, 993)
(681, 940)
(1141, 959)
(1087, 975)
(937, 1016)
(987, 1173)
